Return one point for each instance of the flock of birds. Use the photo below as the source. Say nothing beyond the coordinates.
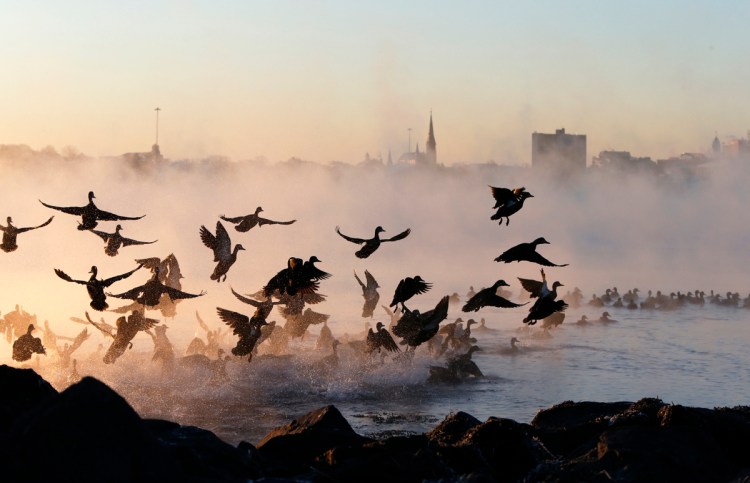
(292, 289)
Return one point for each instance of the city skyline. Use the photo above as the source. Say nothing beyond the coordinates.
(329, 81)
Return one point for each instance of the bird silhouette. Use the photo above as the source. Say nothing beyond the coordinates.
(369, 292)
(95, 287)
(247, 222)
(407, 288)
(221, 245)
(415, 328)
(508, 202)
(114, 241)
(127, 328)
(489, 297)
(10, 234)
(246, 328)
(149, 294)
(90, 214)
(372, 244)
(380, 339)
(527, 252)
(27, 345)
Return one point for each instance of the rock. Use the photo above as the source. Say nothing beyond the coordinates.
(453, 428)
(572, 429)
(305, 438)
(22, 391)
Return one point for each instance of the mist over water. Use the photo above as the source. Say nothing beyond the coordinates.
(625, 232)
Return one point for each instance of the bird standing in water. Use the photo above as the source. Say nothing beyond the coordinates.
(10, 233)
(372, 244)
(247, 222)
(221, 245)
(114, 241)
(90, 214)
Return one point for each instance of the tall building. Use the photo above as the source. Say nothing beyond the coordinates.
(426, 158)
(559, 153)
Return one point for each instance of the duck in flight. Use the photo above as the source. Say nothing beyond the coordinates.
(114, 241)
(149, 294)
(369, 292)
(10, 233)
(246, 328)
(221, 245)
(372, 244)
(127, 328)
(380, 339)
(247, 222)
(415, 328)
(508, 202)
(407, 288)
(95, 286)
(489, 297)
(90, 214)
(527, 252)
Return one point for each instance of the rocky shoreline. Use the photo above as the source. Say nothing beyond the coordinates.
(89, 433)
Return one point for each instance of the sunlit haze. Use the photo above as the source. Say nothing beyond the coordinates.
(334, 80)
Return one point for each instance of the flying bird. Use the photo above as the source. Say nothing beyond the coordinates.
(247, 222)
(90, 214)
(372, 244)
(95, 287)
(10, 233)
(246, 328)
(527, 252)
(539, 289)
(489, 297)
(295, 278)
(149, 294)
(415, 327)
(221, 245)
(380, 339)
(127, 328)
(114, 241)
(369, 292)
(27, 345)
(407, 288)
(508, 202)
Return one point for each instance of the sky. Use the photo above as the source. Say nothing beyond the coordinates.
(332, 80)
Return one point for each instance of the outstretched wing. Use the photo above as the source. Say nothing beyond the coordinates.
(265, 221)
(235, 219)
(400, 236)
(71, 210)
(534, 287)
(107, 216)
(371, 282)
(104, 327)
(244, 299)
(208, 238)
(238, 322)
(21, 230)
(537, 258)
(387, 342)
(502, 196)
(128, 242)
(101, 234)
(358, 280)
(111, 280)
(201, 322)
(150, 263)
(350, 238)
(145, 323)
(67, 278)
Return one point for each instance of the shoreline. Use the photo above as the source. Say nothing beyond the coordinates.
(88, 432)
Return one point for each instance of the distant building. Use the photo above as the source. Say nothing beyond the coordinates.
(426, 158)
(151, 156)
(623, 162)
(559, 153)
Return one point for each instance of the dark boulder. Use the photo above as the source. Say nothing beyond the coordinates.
(453, 428)
(22, 391)
(298, 443)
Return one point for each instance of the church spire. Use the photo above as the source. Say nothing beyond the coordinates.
(431, 145)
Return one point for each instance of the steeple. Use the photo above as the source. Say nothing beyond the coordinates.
(716, 145)
(431, 153)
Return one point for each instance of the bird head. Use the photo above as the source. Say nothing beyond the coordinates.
(258, 210)
(239, 247)
(379, 229)
(314, 259)
(10, 220)
(118, 228)
(379, 326)
(557, 284)
(91, 195)
(540, 241)
(93, 270)
(500, 283)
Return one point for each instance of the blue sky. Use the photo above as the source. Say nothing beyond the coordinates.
(331, 80)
